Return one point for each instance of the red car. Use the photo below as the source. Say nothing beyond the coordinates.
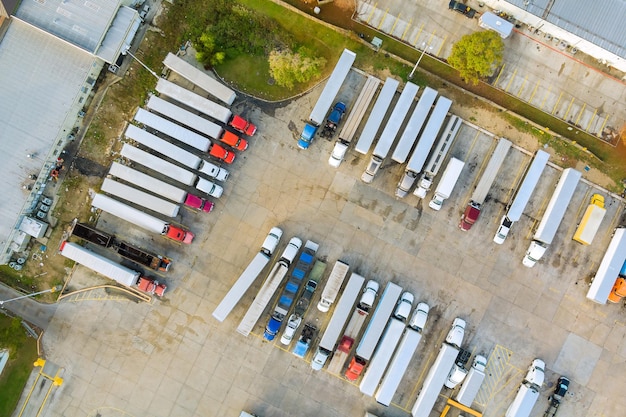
(222, 154)
(242, 125)
(199, 203)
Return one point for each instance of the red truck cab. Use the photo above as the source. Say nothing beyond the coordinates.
(242, 125)
(151, 286)
(469, 217)
(199, 203)
(234, 141)
(178, 234)
(355, 368)
(222, 154)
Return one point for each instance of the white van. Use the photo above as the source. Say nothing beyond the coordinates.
(524, 401)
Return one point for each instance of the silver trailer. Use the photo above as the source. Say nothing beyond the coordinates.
(140, 198)
(159, 165)
(173, 130)
(162, 146)
(147, 182)
(199, 78)
(377, 116)
(194, 101)
(185, 117)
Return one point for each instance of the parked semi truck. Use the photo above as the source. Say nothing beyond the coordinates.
(438, 372)
(111, 269)
(558, 395)
(337, 322)
(619, 288)
(247, 277)
(608, 274)
(200, 78)
(388, 136)
(472, 211)
(522, 196)
(377, 116)
(446, 184)
(141, 219)
(590, 223)
(552, 217)
(176, 153)
(159, 187)
(424, 145)
(135, 254)
(140, 198)
(305, 340)
(374, 329)
(387, 346)
(473, 381)
(158, 165)
(361, 311)
(438, 156)
(334, 83)
(414, 125)
(269, 287)
(331, 289)
(404, 354)
(528, 392)
(332, 122)
(353, 121)
(291, 290)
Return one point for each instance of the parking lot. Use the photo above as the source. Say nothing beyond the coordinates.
(171, 358)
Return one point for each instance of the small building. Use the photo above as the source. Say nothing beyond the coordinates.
(493, 22)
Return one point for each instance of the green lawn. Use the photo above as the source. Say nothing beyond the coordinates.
(23, 353)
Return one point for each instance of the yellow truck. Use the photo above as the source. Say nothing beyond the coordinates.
(590, 223)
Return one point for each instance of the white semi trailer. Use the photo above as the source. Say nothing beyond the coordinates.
(194, 101)
(248, 276)
(388, 136)
(377, 116)
(147, 182)
(199, 78)
(173, 130)
(609, 269)
(552, 217)
(185, 117)
(140, 198)
(158, 165)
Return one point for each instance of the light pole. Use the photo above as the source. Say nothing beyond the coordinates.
(53, 289)
(424, 47)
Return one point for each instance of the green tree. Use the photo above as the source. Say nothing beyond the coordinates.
(477, 55)
(288, 68)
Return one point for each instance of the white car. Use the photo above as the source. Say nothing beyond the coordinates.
(292, 325)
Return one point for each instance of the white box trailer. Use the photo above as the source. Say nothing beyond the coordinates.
(609, 268)
(377, 116)
(140, 198)
(158, 165)
(472, 382)
(130, 214)
(185, 117)
(524, 401)
(147, 182)
(414, 125)
(338, 321)
(173, 130)
(552, 217)
(331, 289)
(382, 356)
(446, 184)
(100, 264)
(433, 383)
(397, 368)
(438, 155)
(377, 323)
(194, 101)
(199, 78)
(247, 277)
(334, 83)
(491, 171)
(162, 146)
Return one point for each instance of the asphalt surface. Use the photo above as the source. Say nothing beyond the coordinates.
(30, 310)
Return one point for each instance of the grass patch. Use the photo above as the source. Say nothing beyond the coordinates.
(22, 354)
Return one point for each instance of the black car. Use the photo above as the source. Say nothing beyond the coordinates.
(462, 8)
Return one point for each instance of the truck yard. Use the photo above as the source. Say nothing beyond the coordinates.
(172, 358)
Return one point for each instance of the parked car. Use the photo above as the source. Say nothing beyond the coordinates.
(462, 8)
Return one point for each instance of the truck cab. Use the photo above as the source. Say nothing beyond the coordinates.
(403, 309)
(355, 368)
(418, 320)
(469, 217)
(271, 241)
(292, 325)
(198, 203)
(338, 153)
(333, 119)
(371, 170)
(405, 184)
(503, 230)
(151, 286)
(234, 141)
(178, 234)
(320, 358)
(456, 333)
(242, 125)
(307, 136)
(222, 154)
(534, 253)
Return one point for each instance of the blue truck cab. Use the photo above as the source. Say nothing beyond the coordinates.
(307, 136)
